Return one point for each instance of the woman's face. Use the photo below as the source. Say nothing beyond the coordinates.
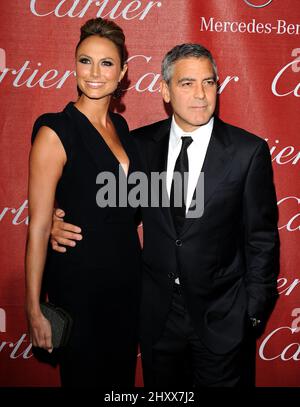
(98, 67)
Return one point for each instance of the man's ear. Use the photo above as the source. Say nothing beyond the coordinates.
(164, 89)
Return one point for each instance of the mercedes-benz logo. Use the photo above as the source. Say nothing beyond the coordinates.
(266, 3)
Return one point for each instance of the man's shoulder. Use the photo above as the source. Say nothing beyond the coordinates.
(148, 131)
(240, 136)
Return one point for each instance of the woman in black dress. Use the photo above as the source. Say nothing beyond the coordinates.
(98, 281)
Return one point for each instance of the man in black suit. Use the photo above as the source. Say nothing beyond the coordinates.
(207, 280)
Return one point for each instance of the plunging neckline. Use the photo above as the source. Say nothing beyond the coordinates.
(103, 140)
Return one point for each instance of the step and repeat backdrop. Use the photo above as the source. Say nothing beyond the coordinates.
(256, 44)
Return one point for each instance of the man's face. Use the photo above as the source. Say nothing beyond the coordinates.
(192, 92)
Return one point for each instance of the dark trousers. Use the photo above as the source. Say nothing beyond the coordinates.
(82, 370)
(180, 359)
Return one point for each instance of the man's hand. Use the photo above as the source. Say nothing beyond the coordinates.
(63, 233)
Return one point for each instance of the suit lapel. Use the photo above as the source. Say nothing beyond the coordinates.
(158, 160)
(217, 160)
(216, 165)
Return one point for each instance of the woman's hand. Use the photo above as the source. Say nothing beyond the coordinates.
(40, 332)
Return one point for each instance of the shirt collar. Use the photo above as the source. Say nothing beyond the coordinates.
(197, 135)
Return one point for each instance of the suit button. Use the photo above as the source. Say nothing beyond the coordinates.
(171, 275)
(178, 243)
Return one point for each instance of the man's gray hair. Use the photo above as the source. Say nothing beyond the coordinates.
(185, 51)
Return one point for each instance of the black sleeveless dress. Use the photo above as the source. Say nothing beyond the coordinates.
(98, 281)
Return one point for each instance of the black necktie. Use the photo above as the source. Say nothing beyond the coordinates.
(181, 167)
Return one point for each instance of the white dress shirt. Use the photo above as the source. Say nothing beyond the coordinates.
(196, 154)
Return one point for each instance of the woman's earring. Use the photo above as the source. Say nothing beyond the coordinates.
(118, 91)
(75, 74)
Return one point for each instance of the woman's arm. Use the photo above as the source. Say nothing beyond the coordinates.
(47, 159)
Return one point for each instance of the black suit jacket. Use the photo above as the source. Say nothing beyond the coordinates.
(227, 259)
